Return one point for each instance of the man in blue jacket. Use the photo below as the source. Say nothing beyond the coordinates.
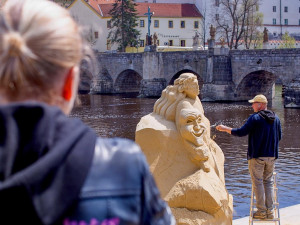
(264, 133)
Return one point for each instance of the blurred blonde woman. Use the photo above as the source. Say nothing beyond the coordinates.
(54, 169)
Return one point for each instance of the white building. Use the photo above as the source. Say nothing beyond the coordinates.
(174, 24)
(280, 16)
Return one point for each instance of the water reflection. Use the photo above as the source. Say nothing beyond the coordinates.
(112, 115)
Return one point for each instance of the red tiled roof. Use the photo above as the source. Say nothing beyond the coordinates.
(94, 4)
(160, 9)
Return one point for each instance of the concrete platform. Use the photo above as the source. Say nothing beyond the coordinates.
(288, 216)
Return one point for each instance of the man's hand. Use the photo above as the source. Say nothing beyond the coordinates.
(223, 128)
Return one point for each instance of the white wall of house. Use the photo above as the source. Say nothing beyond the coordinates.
(176, 34)
(90, 20)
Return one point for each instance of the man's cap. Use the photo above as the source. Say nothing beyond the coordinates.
(259, 98)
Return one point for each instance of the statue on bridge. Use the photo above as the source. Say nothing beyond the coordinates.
(148, 36)
(196, 40)
(187, 164)
(148, 39)
(266, 36)
(222, 41)
(212, 32)
(155, 39)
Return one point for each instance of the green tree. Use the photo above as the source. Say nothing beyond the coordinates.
(123, 22)
(258, 40)
(288, 41)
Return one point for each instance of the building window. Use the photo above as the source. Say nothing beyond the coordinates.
(285, 9)
(142, 43)
(182, 24)
(142, 23)
(274, 8)
(196, 24)
(156, 23)
(170, 42)
(182, 43)
(217, 3)
(274, 21)
(217, 16)
(286, 22)
(108, 44)
(96, 34)
(170, 23)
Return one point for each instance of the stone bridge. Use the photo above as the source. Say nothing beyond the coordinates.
(223, 75)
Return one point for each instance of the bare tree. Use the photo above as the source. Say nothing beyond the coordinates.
(235, 20)
(90, 36)
(252, 35)
(203, 24)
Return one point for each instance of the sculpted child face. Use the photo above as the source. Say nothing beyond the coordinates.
(191, 127)
(192, 89)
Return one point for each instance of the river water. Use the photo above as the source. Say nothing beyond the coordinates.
(117, 115)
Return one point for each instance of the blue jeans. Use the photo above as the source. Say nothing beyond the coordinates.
(261, 170)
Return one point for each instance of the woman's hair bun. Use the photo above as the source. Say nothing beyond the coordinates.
(14, 44)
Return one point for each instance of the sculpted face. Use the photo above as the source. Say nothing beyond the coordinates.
(192, 89)
(191, 127)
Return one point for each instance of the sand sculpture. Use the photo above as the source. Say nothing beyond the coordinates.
(187, 164)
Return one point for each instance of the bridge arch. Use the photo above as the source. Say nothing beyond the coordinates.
(200, 79)
(256, 82)
(85, 82)
(128, 81)
(105, 82)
